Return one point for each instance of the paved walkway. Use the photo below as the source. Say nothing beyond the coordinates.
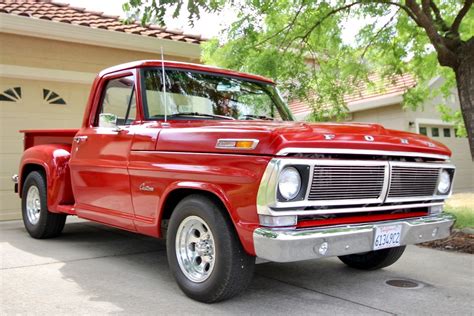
(93, 269)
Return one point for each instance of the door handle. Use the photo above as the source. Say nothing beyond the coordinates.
(80, 139)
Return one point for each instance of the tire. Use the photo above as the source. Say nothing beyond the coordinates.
(373, 260)
(200, 221)
(38, 220)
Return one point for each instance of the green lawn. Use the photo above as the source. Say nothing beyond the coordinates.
(464, 216)
(462, 206)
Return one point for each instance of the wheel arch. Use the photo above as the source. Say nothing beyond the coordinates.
(28, 168)
(177, 194)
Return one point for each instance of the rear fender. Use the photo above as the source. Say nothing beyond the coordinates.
(54, 161)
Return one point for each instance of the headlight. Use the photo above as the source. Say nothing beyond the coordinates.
(289, 183)
(444, 182)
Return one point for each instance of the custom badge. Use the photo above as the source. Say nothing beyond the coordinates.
(329, 136)
(404, 141)
(369, 138)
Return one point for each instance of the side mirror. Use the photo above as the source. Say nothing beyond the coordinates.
(107, 120)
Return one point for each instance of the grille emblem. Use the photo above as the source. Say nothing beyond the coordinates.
(404, 141)
(329, 136)
(369, 138)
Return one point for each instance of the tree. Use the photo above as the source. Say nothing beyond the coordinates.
(299, 44)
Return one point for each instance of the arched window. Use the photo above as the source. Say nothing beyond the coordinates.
(11, 95)
(52, 97)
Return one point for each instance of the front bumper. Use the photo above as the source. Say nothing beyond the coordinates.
(296, 245)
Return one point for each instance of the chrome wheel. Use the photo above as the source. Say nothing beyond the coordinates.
(33, 205)
(195, 249)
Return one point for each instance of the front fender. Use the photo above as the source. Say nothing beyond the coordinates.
(54, 160)
(233, 179)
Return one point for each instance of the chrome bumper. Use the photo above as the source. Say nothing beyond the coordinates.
(304, 244)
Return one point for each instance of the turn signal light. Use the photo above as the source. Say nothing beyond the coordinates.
(278, 221)
(237, 143)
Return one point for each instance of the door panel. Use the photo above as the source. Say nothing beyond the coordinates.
(99, 161)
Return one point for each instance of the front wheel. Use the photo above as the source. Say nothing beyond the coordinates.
(204, 253)
(38, 220)
(373, 260)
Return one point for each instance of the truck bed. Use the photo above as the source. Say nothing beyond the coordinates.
(36, 137)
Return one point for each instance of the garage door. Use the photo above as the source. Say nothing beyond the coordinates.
(28, 104)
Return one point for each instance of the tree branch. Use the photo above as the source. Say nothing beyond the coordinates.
(289, 25)
(457, 20)
(366, 48)
(438, 18)
(403, 7)
(329, 14)
(446, 57)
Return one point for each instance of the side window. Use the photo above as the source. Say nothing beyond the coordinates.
(119, 99)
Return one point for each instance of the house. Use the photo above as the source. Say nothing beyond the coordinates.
(383, 104)
(49, 56)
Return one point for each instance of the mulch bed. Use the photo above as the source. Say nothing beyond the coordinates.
(458, 241)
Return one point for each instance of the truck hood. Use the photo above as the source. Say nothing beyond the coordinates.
(277, 137)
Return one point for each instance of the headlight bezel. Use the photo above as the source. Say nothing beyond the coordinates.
(303, 171)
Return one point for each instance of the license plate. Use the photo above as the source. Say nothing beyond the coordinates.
(387, 236)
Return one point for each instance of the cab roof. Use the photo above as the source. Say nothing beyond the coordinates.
(183, 65)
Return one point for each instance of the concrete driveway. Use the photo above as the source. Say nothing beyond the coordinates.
(93, 269)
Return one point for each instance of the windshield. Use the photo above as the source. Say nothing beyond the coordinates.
(197, 95)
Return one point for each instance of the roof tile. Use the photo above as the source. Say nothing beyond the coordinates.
(378, 87)
(64, 13)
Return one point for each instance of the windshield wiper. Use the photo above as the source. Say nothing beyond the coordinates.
(202, 114)
(257, 117)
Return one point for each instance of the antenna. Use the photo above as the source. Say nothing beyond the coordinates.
(164, 82)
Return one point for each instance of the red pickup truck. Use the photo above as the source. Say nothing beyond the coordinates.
(213, 161)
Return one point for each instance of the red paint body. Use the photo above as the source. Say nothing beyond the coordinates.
(100, 180)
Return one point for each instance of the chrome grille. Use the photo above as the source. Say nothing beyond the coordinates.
(343, 182)
(413, 181)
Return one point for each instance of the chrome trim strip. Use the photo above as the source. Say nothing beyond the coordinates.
(254, 141)
(303, 244)
(296, 150)
(273, 212)
(310, 181)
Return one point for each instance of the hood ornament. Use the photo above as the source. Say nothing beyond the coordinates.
(369, 138)
(329, 136)
(404, 141)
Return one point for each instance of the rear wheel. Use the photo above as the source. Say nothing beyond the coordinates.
(204, 253)
(38, 220)
(373, 260)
